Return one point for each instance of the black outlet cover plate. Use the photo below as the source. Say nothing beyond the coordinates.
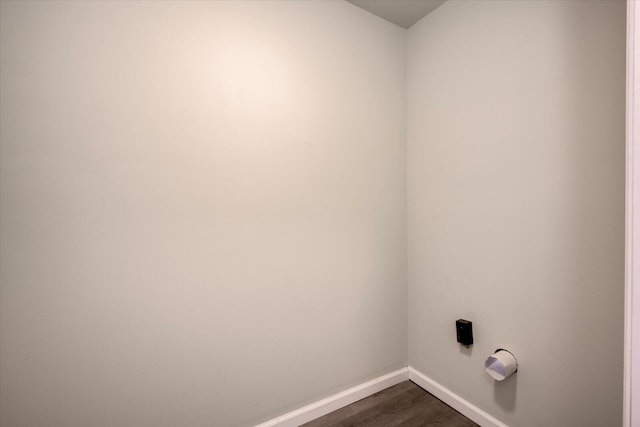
(464, 331)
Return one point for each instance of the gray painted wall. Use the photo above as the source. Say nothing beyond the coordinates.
(516, 204)
(202, 209)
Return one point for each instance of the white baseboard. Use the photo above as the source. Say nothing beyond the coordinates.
(353, 394)
(337, 401)
(461, 405)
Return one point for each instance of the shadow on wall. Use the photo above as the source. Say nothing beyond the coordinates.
(467, 350)
(504, 392)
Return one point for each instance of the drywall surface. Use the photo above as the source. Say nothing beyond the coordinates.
(202, 209)
(516, 204)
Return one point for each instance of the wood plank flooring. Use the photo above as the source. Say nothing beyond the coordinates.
(403, 405)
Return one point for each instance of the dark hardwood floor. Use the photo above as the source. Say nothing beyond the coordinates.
(403, 405)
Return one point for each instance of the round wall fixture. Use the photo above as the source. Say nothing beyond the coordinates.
(501, 364)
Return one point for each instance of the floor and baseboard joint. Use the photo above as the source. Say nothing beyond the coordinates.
(346, 397)
(339, 400)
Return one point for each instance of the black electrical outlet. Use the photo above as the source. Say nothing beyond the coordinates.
(464, 332)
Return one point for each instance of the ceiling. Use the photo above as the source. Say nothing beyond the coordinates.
(401, 12)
